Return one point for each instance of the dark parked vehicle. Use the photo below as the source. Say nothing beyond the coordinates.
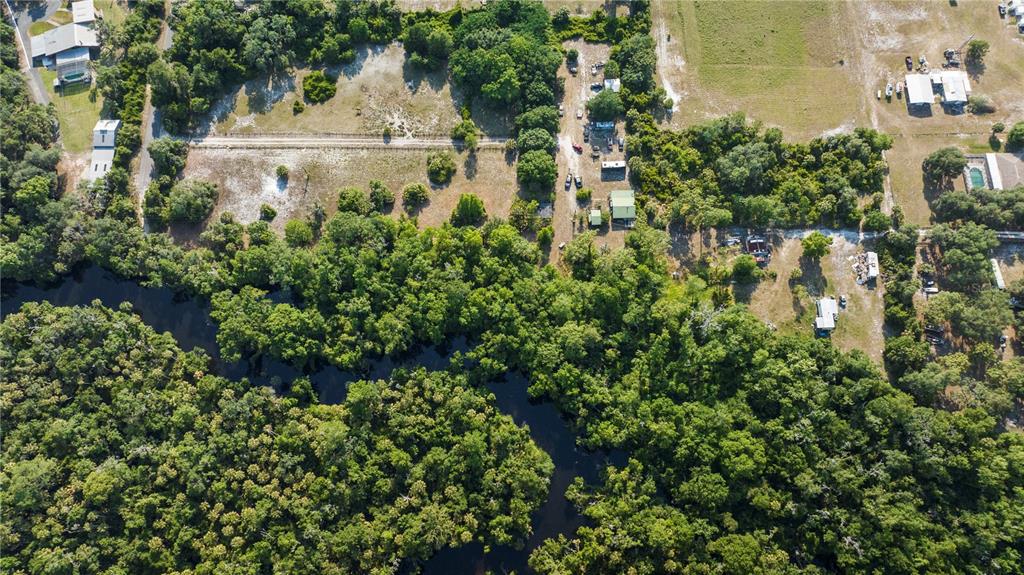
(596, 86)
(568, 181)
(622, 144)
(579, 181)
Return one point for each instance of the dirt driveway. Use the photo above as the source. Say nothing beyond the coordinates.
(578, 90)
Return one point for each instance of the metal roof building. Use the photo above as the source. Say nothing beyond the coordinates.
(64, 38)
(872, 261)
(919, 89)
(828, 311)
(623, 203)
(104, 136)
(956, 87)
(595, 218)
(83, 12)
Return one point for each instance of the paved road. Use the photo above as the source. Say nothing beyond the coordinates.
(326, 141)
(30, 12)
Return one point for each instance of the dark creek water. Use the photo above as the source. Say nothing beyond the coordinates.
(190, 324)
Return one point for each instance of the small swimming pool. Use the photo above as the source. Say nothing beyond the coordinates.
(977, 178)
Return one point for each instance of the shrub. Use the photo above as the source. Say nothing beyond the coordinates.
(469, 211)
(168, 155)
(319, 87)
(191, 201)
(415, 195)
(944, 163)
(381, 198)
(298, 233)
(980, 104)
(583, 195)
(545, 237)
(267, 212)
(816, 245)
(573, 54)
(536, 170)
(386, 132)
(976, 50)
(744, 269)
(353, 200)
(605, 106)
(1015, 138)
(298, 107)
(440, 167)
(876, 221)
(998, 128)
(282, 172)
(535, 139)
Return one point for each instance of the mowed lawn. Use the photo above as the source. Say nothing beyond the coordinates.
(77, 112)
(782, 62)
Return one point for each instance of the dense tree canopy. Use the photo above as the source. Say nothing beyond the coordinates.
(733, 165)
(167, 468)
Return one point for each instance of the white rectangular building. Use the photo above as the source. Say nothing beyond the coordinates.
(956, 87)
(872, 261)
(104, 137)
(828, 313)
(1000, 282)
(919, 89)
(83, 12)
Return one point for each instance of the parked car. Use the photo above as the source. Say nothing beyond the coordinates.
(561, 110)
(579, 113)
(622, 144)
(568, 181)
(842, 301)
(579, 181)
(595, 151)
(596, 86)
(577, 148)
(609, 144)
(586, 135)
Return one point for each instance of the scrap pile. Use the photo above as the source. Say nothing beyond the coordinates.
(865, 267)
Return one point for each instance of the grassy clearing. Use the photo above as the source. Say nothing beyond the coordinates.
(777, 61)
(905, 157)
(77, 112)
(247, 179)
(379, 89)
(790, 304)
(62, 17)
(40, 27)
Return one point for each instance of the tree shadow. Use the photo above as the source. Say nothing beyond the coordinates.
(812, 277)
(263, 93)
(414, 77)
(469, 166)
(363, 52)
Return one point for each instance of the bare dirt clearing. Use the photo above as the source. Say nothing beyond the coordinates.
(246, 179)
(379, 89)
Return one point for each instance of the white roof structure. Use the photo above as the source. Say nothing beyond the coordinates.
(1000, 283)
(919, 89)
(614, 165)
(994, 175)
(613, 84)
(872, 260)
(828, 309)
(955, 86)
(64, 38)
(102, 160)
(104, 133)
(83, 12)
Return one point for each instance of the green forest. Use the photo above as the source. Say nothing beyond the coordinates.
(746, 451)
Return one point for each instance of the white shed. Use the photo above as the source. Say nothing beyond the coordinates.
(919, 89)
(828, 312)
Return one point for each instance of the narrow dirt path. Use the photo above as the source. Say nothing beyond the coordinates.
(152, 128)
(327, 141)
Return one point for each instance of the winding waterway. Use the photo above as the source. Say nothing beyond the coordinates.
(188, 320)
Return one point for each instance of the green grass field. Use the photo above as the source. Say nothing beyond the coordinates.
(778, 61)
(40, 27)
(77, 113)
(112, 11)
(62, 17)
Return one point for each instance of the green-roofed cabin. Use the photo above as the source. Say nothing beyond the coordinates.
(595, 218)
(623, 206)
